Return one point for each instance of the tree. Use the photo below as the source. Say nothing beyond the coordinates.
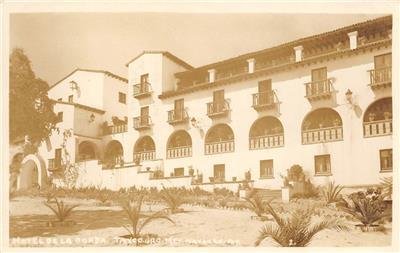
(31, 110)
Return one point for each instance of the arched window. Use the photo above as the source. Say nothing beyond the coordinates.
(322, 125)
(179, 145)
(145, 149)
(266, 132)
(114, 154)
(86, 151)
(378, 118)
(219, 139)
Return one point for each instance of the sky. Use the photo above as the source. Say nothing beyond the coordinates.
(57, 43)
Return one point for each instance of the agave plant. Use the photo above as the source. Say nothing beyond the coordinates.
(172, 199)
(366, 210)
(331, 193)
(297, 230)
(137, 219)
(61, 210)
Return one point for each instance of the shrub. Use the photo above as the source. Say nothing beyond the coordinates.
(61, 210)
(387, 187)
(331, 193)
(138, 220)
(257, 205)
(296, 230)
(295, 173)
(172, 198)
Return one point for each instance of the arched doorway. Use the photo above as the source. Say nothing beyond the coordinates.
(145, 149)
(219, 139)
(322, 125)
(86, 151)
(114, 154)
(266, 132)
(377, 120)
(179, 144)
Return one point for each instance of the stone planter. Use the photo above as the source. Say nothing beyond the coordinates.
(369, 228)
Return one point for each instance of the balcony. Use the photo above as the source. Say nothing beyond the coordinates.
(380, 78)
(319, 90)
(218, 109)
(141, 90)
(326, 134)
(144, 155)
(264, 100)
(267, 141)
(219, 147)
(142, 122)
(115, 129)
(177, 117)
(179, 152)
(378, 128)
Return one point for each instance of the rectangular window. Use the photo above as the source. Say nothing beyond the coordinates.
(386, 157)
(383, 61)
(60, 99)
(219, 172)
(179, 172)
(144, 78)
(319, 74)
(122, 97)
(59, 116)
(178, 108)
(71, 98)
(264, 90)
(322, 164)
(144, 115)
(57, 158)
(267, 168)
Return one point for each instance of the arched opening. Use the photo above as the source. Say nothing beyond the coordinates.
(114, 154)
(86, 151)
(378, 118)
(219, 139)
(15, 168)
(266, 132)
(322, 125)
(145, 149)
(179, 145)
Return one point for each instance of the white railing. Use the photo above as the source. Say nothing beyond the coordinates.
(144, 155)
(219, 147)
(178, 152)
(378, 128)
(266, 141)
(326, 134)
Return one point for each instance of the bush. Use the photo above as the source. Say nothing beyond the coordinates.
(331, 193)
(61, 210)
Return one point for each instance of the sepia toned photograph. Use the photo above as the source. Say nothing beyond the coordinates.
(156, 128)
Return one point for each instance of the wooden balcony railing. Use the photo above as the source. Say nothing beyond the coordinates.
(144, 155)
(141, 90)
(326, 134)
(266, 141)
(378, 128)
(380, 78)
(116, 129)
(217, 109)
(219, 147)
(177, 117)
(178, 152)
(319, 89)
(142, 122)
(264, 100)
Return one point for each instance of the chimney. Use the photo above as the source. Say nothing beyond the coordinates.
(250, 64)
(298, 53)
(353, 39)
(211, 75)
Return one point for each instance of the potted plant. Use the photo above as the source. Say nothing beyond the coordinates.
(191, 172)
(171, 174)
(211, 179)
(371, 116)
(387, 115)
(247, 175)
(234, 179)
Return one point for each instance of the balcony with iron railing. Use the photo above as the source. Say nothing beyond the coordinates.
(266, 141)
(219, 147)
(218, 109)
(142, 122)
(177, 117)
(325, 134)
(380, 78)
(141, 90)
(115, 129)
(319, 90)
(378, 128)
(179, 152)
(265, 100)
(144, 155)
